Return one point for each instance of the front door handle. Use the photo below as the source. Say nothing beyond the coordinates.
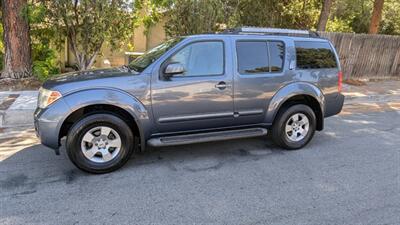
(221, 85)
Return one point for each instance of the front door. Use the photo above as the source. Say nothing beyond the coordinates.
(199, 98)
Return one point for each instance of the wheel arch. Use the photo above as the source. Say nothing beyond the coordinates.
(298, 93)
(115, 102)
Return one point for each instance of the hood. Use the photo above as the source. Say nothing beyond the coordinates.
(81, 76)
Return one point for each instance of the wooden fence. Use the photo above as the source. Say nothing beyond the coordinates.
(367, 56)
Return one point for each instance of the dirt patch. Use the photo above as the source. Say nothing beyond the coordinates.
(383, 79)
(354, 82)
(370, 107)
(7, 84)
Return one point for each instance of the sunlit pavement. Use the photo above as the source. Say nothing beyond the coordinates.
(348, 174)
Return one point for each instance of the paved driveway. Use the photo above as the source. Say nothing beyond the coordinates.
(348, 174)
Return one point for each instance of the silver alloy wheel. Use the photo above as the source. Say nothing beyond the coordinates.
(101, 144)
(297, 127)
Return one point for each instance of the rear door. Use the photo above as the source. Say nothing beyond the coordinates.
(259, 73)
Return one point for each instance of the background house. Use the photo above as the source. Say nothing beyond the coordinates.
(140, 41)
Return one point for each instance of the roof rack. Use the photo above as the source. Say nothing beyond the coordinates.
(272, 31)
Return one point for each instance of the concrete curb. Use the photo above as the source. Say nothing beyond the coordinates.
(372, 98)
(20, 113)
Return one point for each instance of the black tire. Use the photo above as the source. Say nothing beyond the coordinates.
(278, 128)
(81, 127)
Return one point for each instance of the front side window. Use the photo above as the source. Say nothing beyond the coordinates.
(314, 55)
(201, 58)
(143, 61)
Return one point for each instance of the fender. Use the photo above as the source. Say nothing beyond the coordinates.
(291, 90)
(110, 96)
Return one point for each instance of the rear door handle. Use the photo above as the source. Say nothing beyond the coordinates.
(221, 85)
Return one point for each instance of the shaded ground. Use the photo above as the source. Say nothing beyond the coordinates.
(349, 174)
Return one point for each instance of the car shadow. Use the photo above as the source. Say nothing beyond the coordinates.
(23, 170)
(203, 156)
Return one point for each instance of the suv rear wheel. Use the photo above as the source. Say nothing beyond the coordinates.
(100, 143)
(294, 127)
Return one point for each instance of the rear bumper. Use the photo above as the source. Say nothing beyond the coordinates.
(48, 123)
(334, 105)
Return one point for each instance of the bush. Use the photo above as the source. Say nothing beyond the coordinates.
(44, 61)
(338, 25)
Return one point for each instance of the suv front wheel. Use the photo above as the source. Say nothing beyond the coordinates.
(100, 143)
(294, 127)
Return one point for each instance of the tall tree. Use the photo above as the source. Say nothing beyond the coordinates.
(324, 16)
(188, 17)
(17, 49)
(195, 16)
(376, 16)
(88, 24)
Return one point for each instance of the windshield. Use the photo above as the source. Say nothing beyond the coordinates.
(143, 61)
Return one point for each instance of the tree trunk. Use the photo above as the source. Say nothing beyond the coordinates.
(84, 61)
(376, 17)
(324, 16)
(17, 44)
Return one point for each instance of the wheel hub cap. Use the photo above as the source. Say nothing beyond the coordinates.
(101, 144)
(297, 127)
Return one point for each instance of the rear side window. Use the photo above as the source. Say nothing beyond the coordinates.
(276, 52)
(314, 55)
(252, 56)
(256, 57)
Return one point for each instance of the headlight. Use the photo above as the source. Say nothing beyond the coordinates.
(47, 97)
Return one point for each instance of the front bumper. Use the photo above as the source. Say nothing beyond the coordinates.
(48, 123)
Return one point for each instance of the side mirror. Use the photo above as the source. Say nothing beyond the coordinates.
(173, 69)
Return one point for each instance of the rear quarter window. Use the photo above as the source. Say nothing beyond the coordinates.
(314, 55)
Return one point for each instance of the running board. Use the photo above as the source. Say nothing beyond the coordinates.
(206, 137)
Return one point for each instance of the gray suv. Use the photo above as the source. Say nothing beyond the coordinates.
(244, 82)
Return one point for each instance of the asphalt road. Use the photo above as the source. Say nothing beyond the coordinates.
(348, 174)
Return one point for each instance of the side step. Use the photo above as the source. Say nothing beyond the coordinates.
(206, 137)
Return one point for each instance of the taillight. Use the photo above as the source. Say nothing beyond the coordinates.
(340, 81)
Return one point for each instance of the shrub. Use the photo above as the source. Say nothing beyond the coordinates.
(44, 61)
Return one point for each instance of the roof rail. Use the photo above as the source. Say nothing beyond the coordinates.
(272, 31)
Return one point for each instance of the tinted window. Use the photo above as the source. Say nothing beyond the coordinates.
(314, 55)
(201, 58)
(276, 52)
(252, 56)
